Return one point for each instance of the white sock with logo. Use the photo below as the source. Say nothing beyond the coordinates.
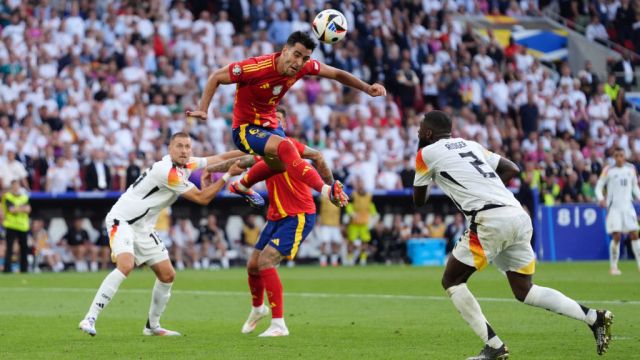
(471, 312)
(554, 300)
(159, 299)
(614, 254)
(635, 246)
(105, 293)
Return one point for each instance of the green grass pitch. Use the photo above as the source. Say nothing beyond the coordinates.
(375, 312)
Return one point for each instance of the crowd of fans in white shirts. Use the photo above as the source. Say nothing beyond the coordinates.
(91, 91)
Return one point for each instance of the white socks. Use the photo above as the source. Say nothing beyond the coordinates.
(159, 299)
(105, 293)
(557, 302)
(334, 259)
(635, 246)
(614, 254)
(278, 322)
(470, 310)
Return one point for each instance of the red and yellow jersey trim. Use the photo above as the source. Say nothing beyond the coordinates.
(421, 166)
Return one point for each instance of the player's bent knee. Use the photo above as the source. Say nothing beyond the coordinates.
(167, 276)
(125, 267)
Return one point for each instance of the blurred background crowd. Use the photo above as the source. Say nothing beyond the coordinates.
(90, 92)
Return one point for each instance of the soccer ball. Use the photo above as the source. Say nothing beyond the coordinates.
(329, 26)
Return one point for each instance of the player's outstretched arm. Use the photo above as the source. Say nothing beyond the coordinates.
(599, 190)
(224, 166)
(204, 196)
(507, 170)
(220, 76)
(229, 155)
(345, 78)
(420, 195)
(320, 164)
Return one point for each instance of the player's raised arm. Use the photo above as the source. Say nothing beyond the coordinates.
(204, 196)
(224, 166)
(345, 78)
(229, 155)
(220, 76)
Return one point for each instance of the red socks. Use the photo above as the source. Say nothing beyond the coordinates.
(256, 286)
(258, 172)
(298, 168)
(272, 284)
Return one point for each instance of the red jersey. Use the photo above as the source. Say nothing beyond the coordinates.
(260, 88)
(288, 196)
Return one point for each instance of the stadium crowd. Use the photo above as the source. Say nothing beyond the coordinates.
(92, 90)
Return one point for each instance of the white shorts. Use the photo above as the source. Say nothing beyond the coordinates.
(502, 237)
(330, 234)
(144, 244)
(621, 220)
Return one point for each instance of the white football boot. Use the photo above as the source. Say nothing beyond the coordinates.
(158, 331)
(88, 325)
(277, 328)
(255, 316)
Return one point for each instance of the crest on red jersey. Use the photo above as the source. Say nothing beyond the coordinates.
(277, 90)
(237, 70)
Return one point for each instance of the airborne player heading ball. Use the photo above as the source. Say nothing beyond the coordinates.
(261, 83)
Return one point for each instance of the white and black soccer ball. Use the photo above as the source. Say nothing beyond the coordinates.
(329, 26)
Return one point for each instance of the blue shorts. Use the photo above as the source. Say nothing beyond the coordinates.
(253, 138)
(286, 235)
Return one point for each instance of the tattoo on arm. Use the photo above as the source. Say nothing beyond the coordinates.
(321, 165)
(223, 166)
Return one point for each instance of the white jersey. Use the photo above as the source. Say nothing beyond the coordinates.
(464, 170)
(622, 185)
(155, 189)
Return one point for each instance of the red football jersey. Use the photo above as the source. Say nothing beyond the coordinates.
(288, 196)
(260, 88)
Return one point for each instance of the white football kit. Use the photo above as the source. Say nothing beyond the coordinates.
(132, 219)
(622, 187)
(500, 230)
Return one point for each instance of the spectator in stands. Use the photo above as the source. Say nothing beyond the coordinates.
(45, 252)
(625, 71)
(250, 233)
(382, 242)
(360, 210)
(184, 237)
(213, 240)
(77, 241)
(13, 169)
(102, 244)
(596, 31)
(454, 231)
(400, 233)
(437, 228)
(16, 209)
(528, 116)
(97, 173)
(59, 178)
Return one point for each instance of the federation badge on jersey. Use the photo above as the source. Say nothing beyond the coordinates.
(237, 70)
(291, 81)
(277, 90)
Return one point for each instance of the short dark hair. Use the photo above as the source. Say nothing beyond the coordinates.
(282, 111)
(302, 38)
(179, 134)
(438, 121)
(618, 148)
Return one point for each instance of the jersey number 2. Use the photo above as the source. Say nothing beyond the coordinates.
(477, 163)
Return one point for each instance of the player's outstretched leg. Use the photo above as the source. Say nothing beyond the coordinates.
(106, 292)
(599, 321)
(303, 171)
(256, 287)
(454, 281)
(159, 298)
(258, 172)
